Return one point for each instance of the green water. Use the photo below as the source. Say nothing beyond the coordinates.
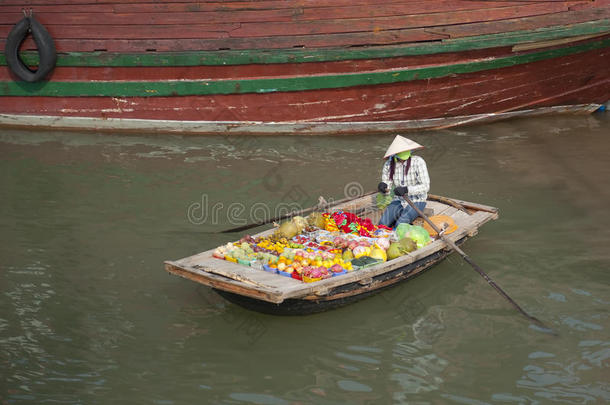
(89, 316)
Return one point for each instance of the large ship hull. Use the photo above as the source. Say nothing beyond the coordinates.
(308, 67)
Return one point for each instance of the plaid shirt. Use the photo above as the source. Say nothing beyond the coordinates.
(417, 179)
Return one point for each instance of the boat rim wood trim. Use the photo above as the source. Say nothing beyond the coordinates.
(554, 42)
(283, 84)
(282, 55)
(223, 283)
(235, 128)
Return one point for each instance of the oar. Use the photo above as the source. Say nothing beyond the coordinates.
(448, 201)
(295, 213)
(478, 269)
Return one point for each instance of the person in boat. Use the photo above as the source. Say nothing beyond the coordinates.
(407, 174)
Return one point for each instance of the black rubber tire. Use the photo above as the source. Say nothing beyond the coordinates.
(46, 50)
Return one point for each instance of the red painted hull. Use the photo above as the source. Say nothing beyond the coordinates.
(136, 27)
(573, 79)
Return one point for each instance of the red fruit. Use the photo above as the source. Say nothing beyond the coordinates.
(336, 268)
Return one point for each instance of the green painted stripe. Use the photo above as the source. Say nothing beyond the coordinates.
(214, 58)
(191, 87)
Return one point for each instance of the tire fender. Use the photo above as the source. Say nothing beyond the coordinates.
(44, 44)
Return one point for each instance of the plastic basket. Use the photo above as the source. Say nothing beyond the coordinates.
(311, 279)
(269, 269)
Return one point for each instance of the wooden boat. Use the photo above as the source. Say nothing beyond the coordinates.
(306, 66)
(276, 294)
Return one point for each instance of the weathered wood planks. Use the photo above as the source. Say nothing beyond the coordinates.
(166, 25)
(157, 126)
(522, 24)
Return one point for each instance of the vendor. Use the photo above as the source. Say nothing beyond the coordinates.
(408, 175)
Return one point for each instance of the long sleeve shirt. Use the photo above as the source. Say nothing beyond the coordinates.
(417, 179)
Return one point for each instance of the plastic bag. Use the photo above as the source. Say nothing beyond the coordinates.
(442, 222)
(383, 200)
(416, 233)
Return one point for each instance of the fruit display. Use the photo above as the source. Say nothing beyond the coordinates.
(318, 247)
(351, 223)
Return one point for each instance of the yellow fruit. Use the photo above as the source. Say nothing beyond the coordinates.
(378, 253)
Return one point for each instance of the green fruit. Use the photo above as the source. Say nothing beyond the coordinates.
(394, 251)
(407, 245)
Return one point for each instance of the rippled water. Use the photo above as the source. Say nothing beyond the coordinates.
(88, 315)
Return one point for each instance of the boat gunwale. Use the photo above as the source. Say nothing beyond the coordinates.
(259, 128)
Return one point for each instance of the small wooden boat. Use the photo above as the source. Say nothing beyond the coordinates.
(275, 294)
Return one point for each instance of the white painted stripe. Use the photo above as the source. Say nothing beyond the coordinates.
(268, 128)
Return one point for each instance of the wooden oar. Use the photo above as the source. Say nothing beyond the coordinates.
(448, 201)
(478, 269)
(295, 213)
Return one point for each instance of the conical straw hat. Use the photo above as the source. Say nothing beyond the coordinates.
(401, 144)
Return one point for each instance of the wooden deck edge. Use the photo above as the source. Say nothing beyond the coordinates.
(129, 125)
(223, 283)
